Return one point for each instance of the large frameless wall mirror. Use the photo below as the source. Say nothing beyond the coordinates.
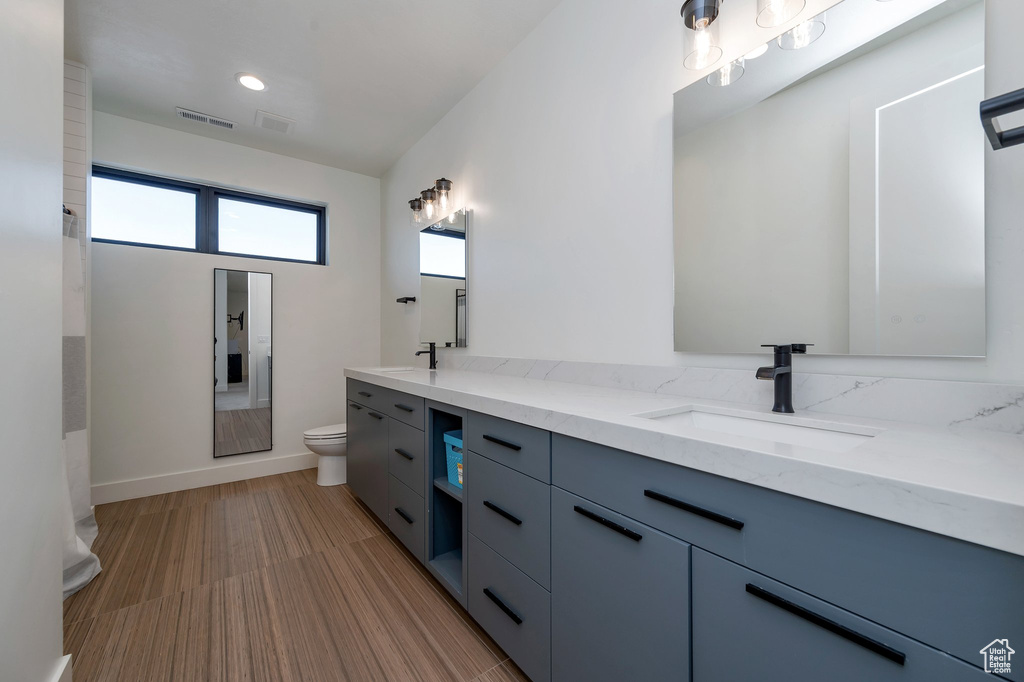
(243, 387)
(443, 281)
(835, 194)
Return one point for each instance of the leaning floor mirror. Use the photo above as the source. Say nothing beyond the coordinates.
(830, 187)
(243, 325)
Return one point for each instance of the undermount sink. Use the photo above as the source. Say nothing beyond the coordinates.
(391, 370)
(802, 432)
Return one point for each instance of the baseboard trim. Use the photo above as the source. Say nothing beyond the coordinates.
(63, 671)
(197, 478)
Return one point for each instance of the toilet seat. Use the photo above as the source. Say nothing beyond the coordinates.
(324, 433)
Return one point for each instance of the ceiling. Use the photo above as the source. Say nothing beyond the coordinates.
(363, 79)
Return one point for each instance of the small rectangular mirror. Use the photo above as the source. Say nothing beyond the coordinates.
(835, 194)
(442, 296)
(243, 327)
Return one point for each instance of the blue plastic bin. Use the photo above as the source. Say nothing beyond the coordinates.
(453, 451)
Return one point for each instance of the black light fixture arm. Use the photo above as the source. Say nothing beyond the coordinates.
(1000, 106)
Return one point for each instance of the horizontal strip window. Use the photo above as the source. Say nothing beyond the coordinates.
(146, 210)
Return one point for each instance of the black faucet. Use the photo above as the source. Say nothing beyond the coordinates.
(433, 355)
(782, 374)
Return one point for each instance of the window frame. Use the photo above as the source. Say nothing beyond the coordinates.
(207, 196)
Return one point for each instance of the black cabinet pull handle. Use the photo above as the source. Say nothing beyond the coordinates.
(401, 512)
(404, 408)
(365, 394)
(503, 606)
(830, 625)
(375, 415)
(503, 443)
(693, 509)
(501, 512)
(608, 523)
(355, 407)
(405, 454)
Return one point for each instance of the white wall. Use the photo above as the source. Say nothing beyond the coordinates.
(31, 485)
(153, 318)
(564, 151)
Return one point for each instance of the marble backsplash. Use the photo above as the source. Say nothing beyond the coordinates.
(956, 404)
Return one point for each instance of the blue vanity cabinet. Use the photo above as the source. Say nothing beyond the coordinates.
(747, 627)
(368, 457)
(620, 597)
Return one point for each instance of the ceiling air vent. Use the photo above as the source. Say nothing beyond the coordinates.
(197, 117)
(278, 124)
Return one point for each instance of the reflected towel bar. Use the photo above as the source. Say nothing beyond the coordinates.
(1000, 106)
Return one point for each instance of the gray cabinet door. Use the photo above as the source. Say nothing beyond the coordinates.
(368, 457)
(620, 597)
(749, 628)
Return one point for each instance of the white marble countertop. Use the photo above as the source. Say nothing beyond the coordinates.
(963, 484)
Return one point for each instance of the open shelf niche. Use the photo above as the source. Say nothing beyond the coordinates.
(446, 536)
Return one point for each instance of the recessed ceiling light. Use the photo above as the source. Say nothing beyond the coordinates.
(756, 52)
(250, 81)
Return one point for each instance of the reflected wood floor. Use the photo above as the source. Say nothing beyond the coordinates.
(272, 578)
(238, 431)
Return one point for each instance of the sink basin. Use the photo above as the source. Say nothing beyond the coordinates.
(798, 431)
(391, 370)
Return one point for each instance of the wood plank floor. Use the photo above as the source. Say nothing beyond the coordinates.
(269, 579)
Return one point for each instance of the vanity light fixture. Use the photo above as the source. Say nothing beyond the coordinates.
(728, 74)
(777, 12)
(442, 187)
(417, 210)
(803, 34)
(429, 197)
(756, 52)
(247, 80)
(701, 40)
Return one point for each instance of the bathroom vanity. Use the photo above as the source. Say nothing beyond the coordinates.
(604, 534)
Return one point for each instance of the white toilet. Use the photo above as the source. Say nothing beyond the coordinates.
(330, 443)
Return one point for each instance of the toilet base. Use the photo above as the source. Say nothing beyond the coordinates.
(331, 470)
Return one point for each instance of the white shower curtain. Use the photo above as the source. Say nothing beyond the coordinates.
(80, 564)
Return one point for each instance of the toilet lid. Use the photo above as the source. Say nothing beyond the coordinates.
(333, 431)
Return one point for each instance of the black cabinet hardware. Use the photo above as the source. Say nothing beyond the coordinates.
(501, 512)
(608, 523)
(406, 299)
(375, 415)
(365, 394)
(355, 407)
(401, 512)
(830, 625)
(693, 509)
(503, 443)
(1000, 106)
(503, 606)
(405, 454)
(404, 408)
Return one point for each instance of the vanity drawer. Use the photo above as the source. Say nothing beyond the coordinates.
(513, 609)
(405, 408)
(911, 581)
(749, 627)
(405, 455)
(406, 516)
(511, 513)
(520, 447)
(375, 397)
